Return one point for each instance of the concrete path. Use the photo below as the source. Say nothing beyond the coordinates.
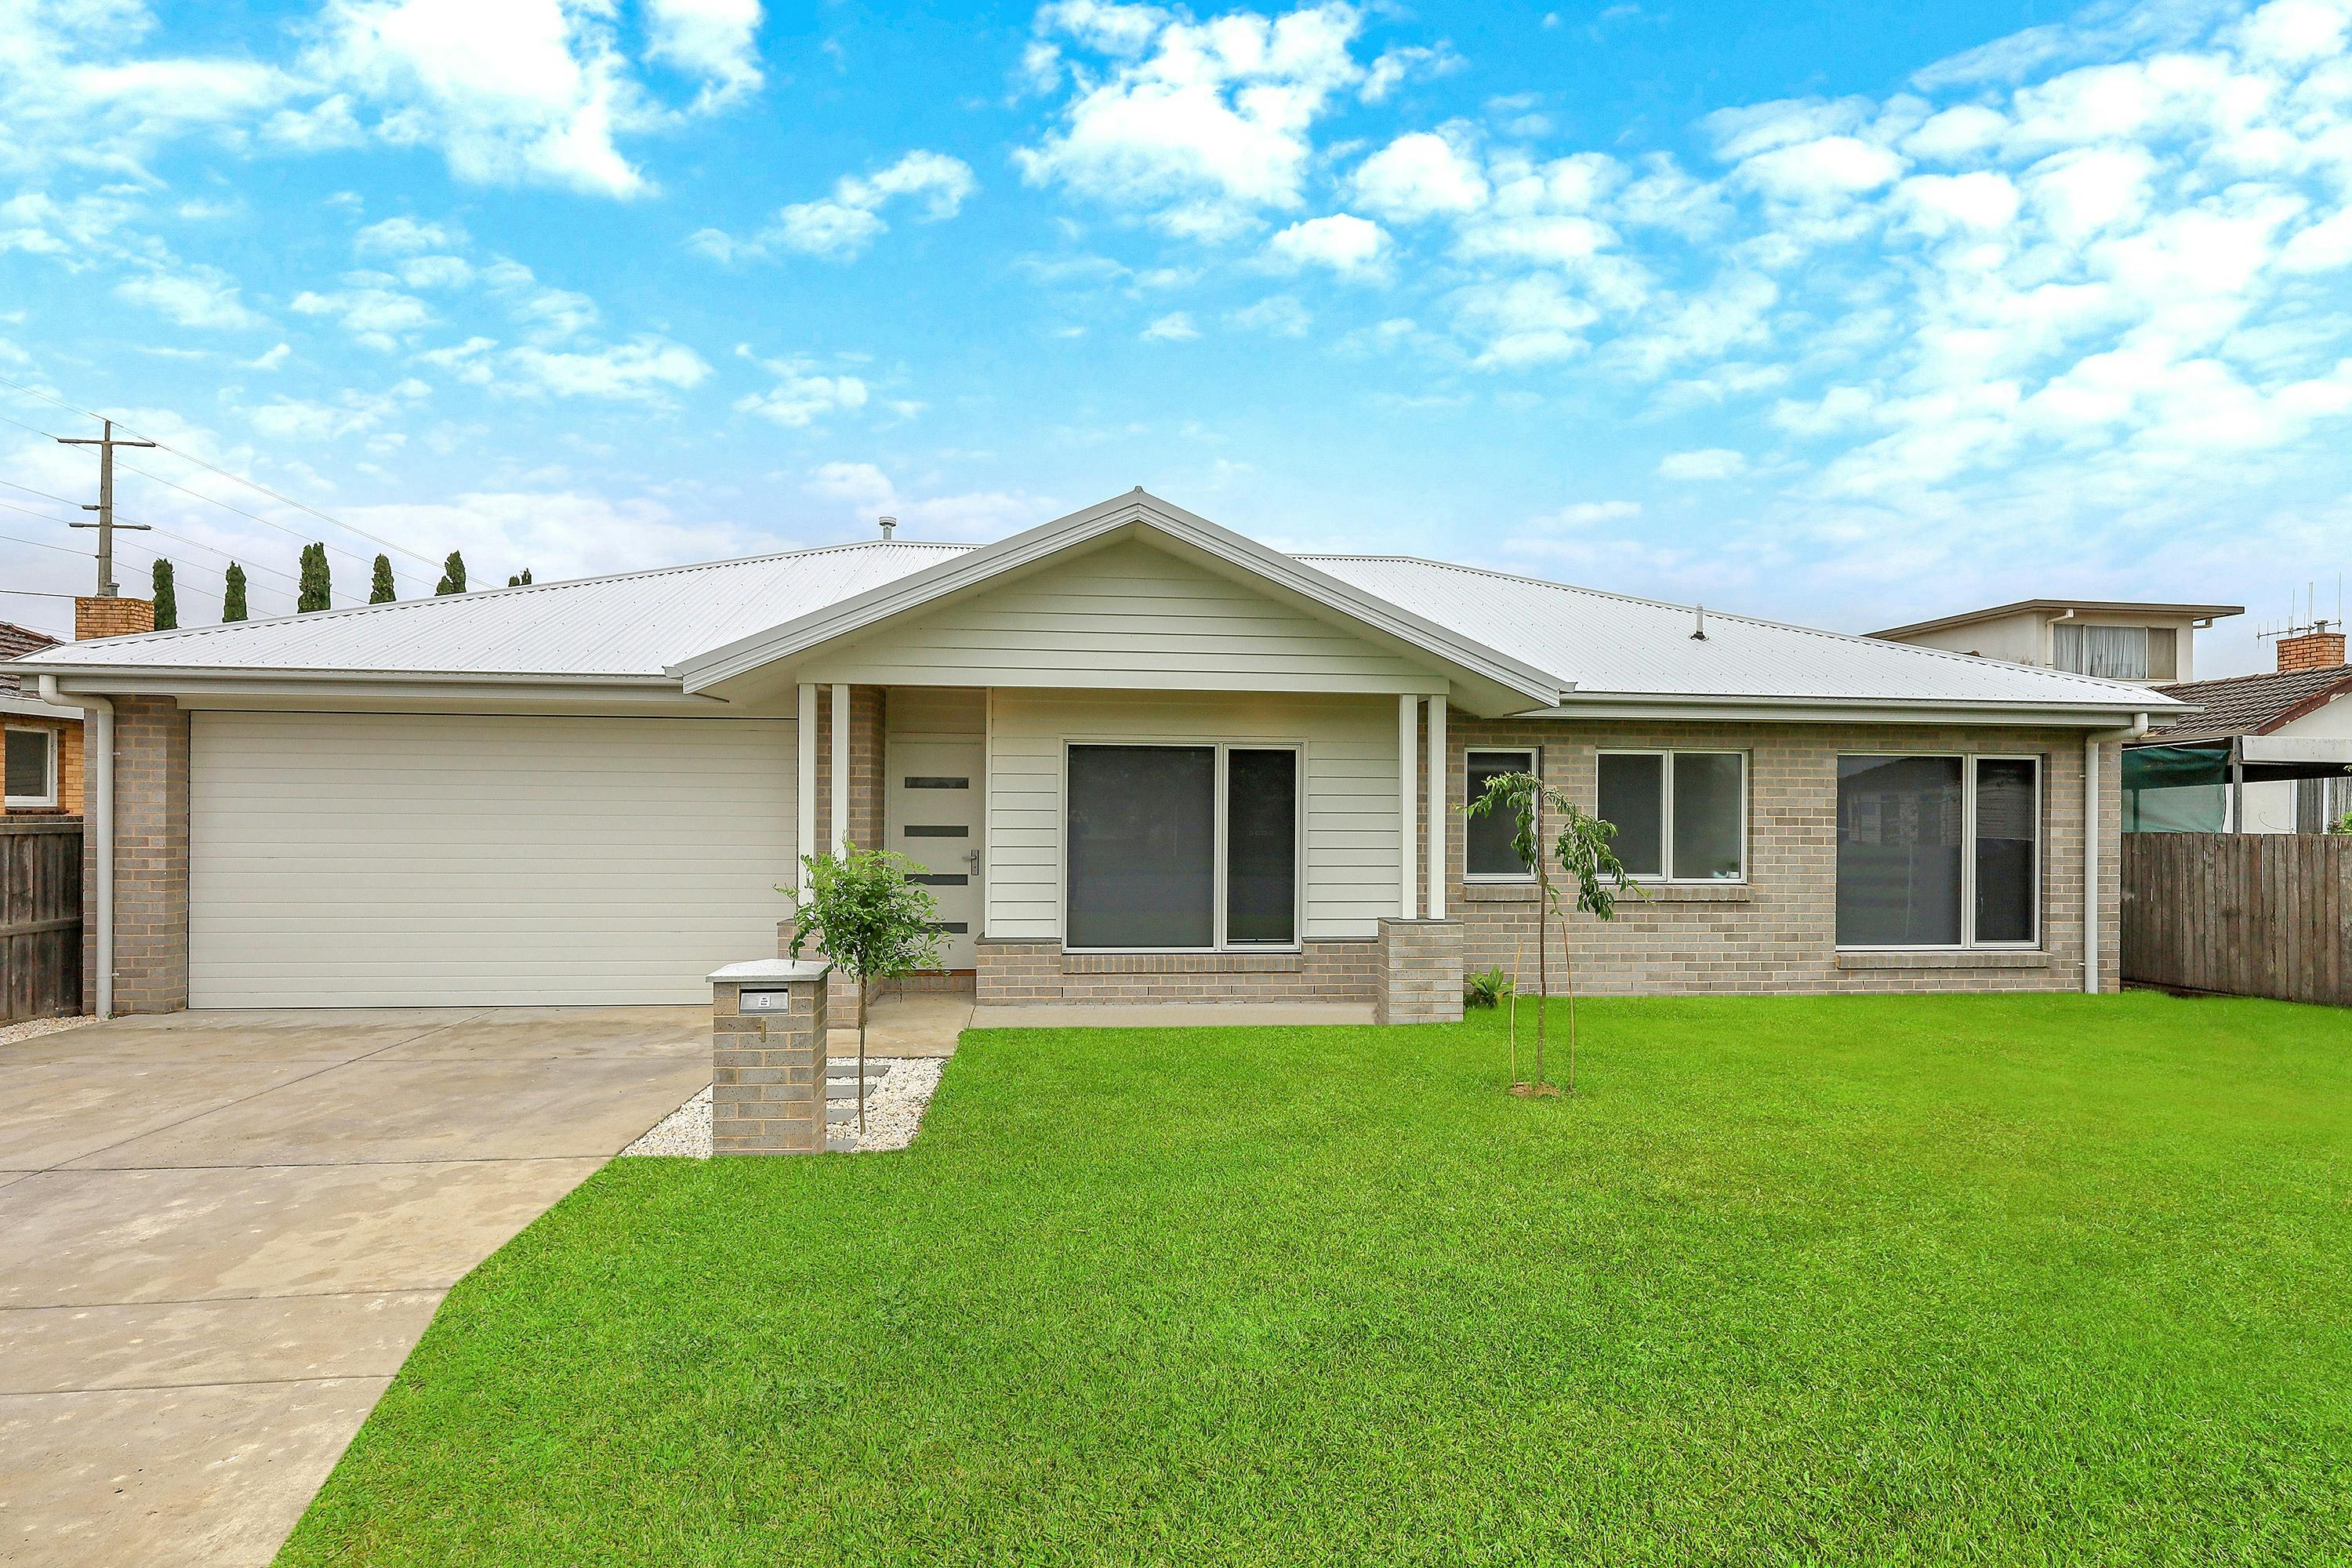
(225, 1231)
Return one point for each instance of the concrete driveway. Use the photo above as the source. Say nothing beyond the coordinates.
(224, 1232)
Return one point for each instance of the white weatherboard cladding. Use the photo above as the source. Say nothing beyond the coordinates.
(1124, 615)
(346, 859)
(1351, 742)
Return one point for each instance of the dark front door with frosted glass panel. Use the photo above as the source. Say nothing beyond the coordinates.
(934, 810)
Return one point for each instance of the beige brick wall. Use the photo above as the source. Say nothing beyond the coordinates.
(151, 859)
(1421, 973)
(1778, 933)
(866, 776)
(1042, 971)
(767, 1073)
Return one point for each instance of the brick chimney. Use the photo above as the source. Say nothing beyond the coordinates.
(117, 617)
(2311, 650)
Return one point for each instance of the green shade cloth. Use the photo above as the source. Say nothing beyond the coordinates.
(2175, 789)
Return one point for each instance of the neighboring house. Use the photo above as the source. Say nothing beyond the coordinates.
(1140, 757)
(2262, 753)
(2151, 644)
(40, 742)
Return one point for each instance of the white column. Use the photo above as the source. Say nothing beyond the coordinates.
(2091, 863)
(840, 769)
(805, 841)
(1408, 803)
(1437, 808)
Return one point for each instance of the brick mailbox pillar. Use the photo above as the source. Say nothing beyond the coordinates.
(767, 1057)
(1420, 979)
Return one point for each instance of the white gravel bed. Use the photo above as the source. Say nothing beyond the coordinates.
(32, 1028)
(894, 1112)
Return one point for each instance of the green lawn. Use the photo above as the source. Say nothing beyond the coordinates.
(1999, 1280)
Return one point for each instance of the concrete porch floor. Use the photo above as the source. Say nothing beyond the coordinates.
(226, 1231)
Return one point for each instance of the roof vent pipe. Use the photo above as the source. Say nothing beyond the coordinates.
(1698, 633)
(890, 525)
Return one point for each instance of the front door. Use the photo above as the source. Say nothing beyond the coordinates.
(934, 809)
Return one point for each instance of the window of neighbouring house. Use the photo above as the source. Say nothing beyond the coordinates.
(2114, 653)
(1487, 855)
(1939, 851)
(1182, 848)
(1681, 816)
(32, 767)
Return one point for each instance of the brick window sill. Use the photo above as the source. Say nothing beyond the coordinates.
(1978, 958)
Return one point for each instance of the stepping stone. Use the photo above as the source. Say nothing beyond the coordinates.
(841, 1146)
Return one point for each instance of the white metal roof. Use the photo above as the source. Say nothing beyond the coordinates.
(1595, 645)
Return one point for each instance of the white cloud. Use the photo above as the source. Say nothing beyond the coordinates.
(1419, 175)
(1200, 125)
(1349, 245)
(1529, 320)
(193, 296)
(840, 227)
(1706, 463)
(406, 237)
(717, 40)
(1590, 514)
(269, 359)
(646, 369)
(1279, 315)
(1176, 327)
(802, 395)
(864, 491)
(377, 316)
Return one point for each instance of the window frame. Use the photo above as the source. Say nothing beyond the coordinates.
(1665, 877)
(1218, 847)
(1968, 943)
(1521, 878)
(56, 758)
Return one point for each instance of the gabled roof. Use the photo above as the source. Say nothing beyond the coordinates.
(684, 626)
(1138, 513)
(2062, 607)
(2250, 704)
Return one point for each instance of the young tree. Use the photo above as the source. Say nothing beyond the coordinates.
(317, 590)
(453, 575)
(380, 587)
(521, 580)
(863, 913)
(1581, 851)
(233, 594)
(167, 597)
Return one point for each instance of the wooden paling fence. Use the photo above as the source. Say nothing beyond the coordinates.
(2257, 914)
(40, 917)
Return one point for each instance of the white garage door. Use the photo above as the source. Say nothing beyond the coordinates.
(437, 860)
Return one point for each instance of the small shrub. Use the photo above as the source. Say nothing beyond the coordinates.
(1487, 990)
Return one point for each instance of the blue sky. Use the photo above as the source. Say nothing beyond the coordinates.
(1848, 314)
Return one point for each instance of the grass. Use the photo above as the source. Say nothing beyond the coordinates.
(1920, 1279)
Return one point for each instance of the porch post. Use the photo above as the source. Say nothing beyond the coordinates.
(1408, 802)
(840, 769)
(1437, 808)
(805, 797)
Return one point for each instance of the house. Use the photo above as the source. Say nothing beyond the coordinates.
(2150, 644)
(40, 741)
(1138, 756)
(2261, 753)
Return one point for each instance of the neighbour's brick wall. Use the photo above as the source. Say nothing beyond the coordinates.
(70, 768)
(114, 617)
(1779, 931)
(1024, 971)
(151, 859)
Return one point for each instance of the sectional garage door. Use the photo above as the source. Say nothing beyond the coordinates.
(442, 860)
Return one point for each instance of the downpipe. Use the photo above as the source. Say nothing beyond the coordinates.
(98, 758)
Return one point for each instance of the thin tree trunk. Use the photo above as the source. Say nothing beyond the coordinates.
(1543, 975)
(1568, 980)
(861, 1060)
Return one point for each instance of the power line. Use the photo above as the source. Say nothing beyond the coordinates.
(267, 523)
(228, 556)
(226, 474)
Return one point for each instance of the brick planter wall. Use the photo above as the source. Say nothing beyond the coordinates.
(1421, 973)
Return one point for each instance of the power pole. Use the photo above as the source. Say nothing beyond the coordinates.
(106, 525)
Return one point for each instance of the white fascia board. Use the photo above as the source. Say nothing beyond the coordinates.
(1845, 711)
(1038, 545)
(2296, 748)
(460, 693)
(34, 708)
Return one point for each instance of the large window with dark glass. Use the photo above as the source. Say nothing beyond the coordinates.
(1487, 852)
(1181, 847)
(1681, 816)
(1939, 851)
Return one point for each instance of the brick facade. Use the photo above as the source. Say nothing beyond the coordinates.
(1778, 932)
(2311, 650)
(1421, 973)
(867, 777)
(1022, 971)
(767, 1072)
(151, 859)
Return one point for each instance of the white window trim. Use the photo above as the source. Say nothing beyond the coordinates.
(1969, 942)
(1217, 851)
(1534, 756)
(1665, 877)
(39, 802)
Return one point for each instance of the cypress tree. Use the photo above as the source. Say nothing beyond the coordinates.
(233, 594)
(453, 575)
(523, 581)
(380, 590)
(167, 600)
(316, 588)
